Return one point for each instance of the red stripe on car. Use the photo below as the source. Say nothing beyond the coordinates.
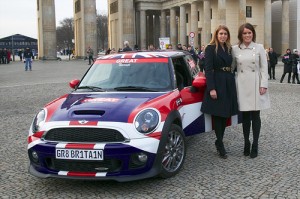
(85, 123)
(79, 146)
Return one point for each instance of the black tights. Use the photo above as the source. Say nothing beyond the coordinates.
(253, 116)
(219, 125)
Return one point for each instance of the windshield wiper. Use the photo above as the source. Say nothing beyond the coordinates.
(134, 88)
(93, 88)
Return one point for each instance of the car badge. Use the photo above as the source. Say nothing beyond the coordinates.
(83, 121)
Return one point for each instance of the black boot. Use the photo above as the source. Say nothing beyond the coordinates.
(221, 149)
(247, 148)
(254, 150)
(282, 77)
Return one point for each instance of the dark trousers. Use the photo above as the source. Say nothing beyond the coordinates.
(219, 126)
(295, 76)
(272, 72)
(91, 59)
(254, 117)
(289, 77)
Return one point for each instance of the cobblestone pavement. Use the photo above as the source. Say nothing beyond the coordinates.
(275, 173)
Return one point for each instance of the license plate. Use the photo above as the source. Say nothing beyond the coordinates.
(79, 154)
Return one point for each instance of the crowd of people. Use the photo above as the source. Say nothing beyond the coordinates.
(5, 56)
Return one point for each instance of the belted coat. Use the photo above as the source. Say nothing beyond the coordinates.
(222, 81)
(251, 73)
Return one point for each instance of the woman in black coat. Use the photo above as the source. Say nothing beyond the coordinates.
(220, 99)
(288, 62)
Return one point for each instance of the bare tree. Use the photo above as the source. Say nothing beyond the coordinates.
(65, 34)
(102, 31)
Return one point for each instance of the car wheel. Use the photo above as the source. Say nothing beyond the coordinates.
(174, 152)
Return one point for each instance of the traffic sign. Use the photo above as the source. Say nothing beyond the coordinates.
(192, 34)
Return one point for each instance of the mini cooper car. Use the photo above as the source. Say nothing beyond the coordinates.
(126, 119)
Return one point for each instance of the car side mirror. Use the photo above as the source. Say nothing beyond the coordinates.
(74, 83)
(199, 81)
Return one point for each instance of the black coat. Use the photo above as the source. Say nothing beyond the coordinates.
(295, 59)
(222, 81)
(273, 58)
(288, 63)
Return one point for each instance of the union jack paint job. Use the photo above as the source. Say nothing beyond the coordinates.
(115, 111)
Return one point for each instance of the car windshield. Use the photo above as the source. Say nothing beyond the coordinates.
(129, 75)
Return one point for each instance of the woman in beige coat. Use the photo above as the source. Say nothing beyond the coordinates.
(250, 62)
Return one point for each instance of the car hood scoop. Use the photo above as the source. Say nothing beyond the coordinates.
(89, 112)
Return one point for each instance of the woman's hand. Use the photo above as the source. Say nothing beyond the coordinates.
(262, 90)
(213, 94)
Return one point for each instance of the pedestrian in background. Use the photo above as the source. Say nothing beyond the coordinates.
(192, 52)
(20, 54)
(8, 56)
(27, 56)
(250, 62)
(90, 54)
(126, 47)
(220, 98)
(268, 60)
(201, 57)
(288, 63)
(295, 59)
(273, 61)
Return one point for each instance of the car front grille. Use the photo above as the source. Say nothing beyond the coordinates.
(109, 165)
(84, 135)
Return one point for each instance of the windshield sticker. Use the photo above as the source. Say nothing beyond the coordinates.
(100, 100)
(128, 61)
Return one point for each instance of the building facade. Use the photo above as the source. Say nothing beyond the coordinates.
(143, 22)
(18, 41)
(85, 28)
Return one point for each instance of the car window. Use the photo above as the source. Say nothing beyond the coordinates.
(181, 70)
(109, 74)
(194, 68)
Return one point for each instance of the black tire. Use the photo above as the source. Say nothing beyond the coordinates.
(174, 152)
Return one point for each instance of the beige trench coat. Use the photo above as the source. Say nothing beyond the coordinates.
(252, 73)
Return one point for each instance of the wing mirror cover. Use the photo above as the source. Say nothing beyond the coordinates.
(199, 81)
(74, 83)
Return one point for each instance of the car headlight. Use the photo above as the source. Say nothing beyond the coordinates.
(39, 118)
(146, 121)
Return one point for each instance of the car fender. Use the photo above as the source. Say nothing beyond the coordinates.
(173, 117)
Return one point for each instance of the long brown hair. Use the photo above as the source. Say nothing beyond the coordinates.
(241, 30)
(214, 40)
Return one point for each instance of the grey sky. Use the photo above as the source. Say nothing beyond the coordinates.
(20, 16)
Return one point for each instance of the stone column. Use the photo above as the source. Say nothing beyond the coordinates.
(207, 22)
(128, 22)
(222, 12)
(46, 30)
(120, 41)
(85, 27)
(182, 25)
(143, 29)
(242, 12)
(268, 24)
(285, 25)
(194, 22)
(173, 32)
(163, 24)
(156, 30)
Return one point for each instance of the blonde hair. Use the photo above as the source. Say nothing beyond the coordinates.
(214, 40)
